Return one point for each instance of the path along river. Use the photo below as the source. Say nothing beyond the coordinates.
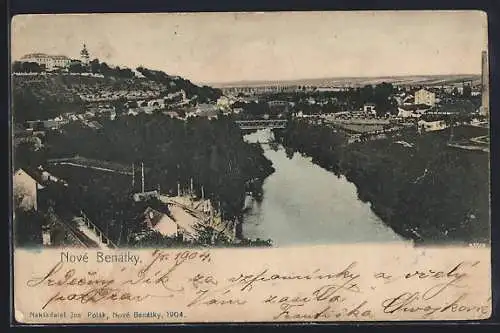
(304, 204)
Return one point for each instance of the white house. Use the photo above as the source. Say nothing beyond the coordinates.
(426, 97)
(370, 108)
(50, 62)
(25, 189)
(160, 222)
(223, 102)
(429, 126)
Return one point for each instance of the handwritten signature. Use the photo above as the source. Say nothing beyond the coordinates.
(346, 294)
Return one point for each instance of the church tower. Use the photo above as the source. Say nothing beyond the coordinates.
(84, 55)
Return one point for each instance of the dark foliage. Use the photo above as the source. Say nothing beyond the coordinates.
(27, 228)
(430, 192)
(212, 153)
(26, 67)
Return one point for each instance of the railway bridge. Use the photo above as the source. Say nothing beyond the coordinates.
(262, 124)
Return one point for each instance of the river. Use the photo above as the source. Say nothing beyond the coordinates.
(306, 204)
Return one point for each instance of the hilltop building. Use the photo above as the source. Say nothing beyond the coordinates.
(84, 55)
(426, 97)
(52, 62)
(49, 62)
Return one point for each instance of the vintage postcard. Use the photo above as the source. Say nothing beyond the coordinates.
(250, 167)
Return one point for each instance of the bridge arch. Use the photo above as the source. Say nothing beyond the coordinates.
(262, 124)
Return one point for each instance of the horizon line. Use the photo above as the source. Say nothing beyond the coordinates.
(260, 81)
(332, 77)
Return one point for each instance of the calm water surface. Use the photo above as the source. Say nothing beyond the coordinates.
(305, 204)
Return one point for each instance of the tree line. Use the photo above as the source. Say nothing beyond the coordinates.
(26, 67)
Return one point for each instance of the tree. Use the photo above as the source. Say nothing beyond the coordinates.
(382, 98)
(467, 92)
(27, 228)
(76, 67)
(26, 67)
(17, 67)
(105, 69)
(366, 94)
(95, 66)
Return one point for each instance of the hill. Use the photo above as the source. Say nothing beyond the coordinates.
(47, 95)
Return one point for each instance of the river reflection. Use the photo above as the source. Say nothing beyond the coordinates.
(305, 204)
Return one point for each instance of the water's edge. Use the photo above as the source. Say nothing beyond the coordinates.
(305, 204)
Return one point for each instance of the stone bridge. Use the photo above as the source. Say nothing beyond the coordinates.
(262, 124)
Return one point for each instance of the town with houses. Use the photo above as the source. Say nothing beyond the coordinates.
(55, 96)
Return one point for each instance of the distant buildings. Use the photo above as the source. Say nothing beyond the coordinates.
(426, 97)
(370, 108)
(264, 89)
(205, 110)
(49, 62)
(458, 106)
(53, 62)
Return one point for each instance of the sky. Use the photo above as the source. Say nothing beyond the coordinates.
(228, 47)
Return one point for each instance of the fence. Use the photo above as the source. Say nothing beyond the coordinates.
(104, 239)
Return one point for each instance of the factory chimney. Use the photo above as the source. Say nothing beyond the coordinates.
(485, 85)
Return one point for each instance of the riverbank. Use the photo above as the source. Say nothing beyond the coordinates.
(426, 192)
(304, 204)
